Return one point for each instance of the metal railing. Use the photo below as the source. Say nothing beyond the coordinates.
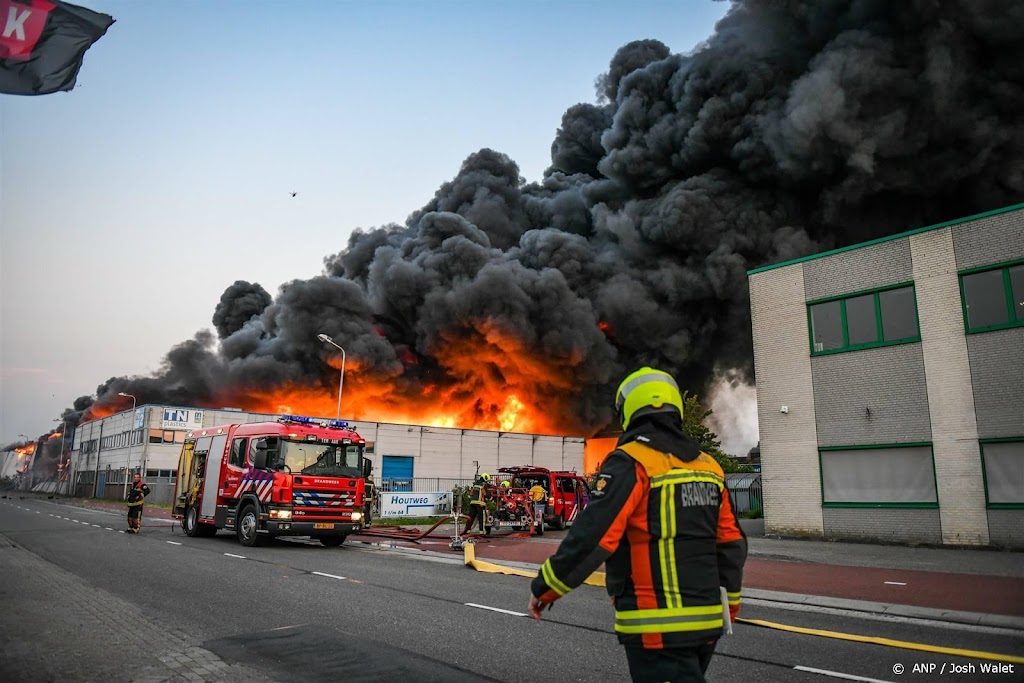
(748, 500)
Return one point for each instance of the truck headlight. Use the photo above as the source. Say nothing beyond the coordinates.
(356, 516)
(280, 514)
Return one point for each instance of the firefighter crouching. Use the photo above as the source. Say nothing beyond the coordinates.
(661, 522)
(478, 503)
(136, 497)
(540, 498)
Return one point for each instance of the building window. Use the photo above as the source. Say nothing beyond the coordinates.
(895, 475)
(1002, 464)
(993, 297)
(864, 320)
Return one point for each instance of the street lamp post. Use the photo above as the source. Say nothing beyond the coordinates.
(60, 460)
(128, 457)
(341, 383)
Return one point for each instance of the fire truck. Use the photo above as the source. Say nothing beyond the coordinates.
(568, 493)
(298, 476)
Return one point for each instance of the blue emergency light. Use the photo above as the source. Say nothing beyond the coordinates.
(301, 419)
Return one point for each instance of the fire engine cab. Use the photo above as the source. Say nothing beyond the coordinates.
(298, 476)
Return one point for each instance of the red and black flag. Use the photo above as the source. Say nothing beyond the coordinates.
(43, 43)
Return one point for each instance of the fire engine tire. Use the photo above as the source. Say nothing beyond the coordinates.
(332, 541)
(559, 524)
(248, 523)
(190, 522)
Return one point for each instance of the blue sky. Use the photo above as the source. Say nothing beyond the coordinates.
(128, 205)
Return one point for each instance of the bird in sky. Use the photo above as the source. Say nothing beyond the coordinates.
(294, 193)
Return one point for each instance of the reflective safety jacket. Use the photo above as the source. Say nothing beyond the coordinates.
(478, 495)
(137, 494)
(661, 521)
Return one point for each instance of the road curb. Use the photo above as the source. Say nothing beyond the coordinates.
(889, 609)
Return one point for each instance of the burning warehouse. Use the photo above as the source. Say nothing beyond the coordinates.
(405, 457)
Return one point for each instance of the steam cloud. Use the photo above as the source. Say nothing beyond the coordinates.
(797, 127)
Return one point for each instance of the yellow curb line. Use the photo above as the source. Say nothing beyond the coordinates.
(598, 579)
(902, 644)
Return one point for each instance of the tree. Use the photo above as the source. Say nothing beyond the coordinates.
(694, 415)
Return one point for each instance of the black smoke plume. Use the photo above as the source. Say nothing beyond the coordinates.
(796, 127)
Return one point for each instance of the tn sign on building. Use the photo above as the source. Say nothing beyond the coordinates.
(182, 418)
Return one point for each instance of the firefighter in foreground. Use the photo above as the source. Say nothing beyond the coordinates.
(478, 503)
(136, 497)
(660, 519)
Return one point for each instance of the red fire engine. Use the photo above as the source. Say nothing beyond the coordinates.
(568, 492)
(298, 476)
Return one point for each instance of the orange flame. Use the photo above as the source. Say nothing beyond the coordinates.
(595, 451)
(492, 381)
(55, 435)
(27, 449)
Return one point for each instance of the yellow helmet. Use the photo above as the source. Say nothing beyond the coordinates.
(645, 392)
(506, 483)
(485, 476)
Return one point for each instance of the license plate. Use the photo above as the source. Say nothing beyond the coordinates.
(510, 523)
(323, 525)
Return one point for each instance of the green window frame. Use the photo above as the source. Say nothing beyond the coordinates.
(1011, 273)
(929, 505)
(875, 297)
(998, 505)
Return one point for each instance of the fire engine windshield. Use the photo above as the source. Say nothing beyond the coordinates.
(324, 460)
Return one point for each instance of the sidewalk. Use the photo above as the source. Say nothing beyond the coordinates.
(961, 585)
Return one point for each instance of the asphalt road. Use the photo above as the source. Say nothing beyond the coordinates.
(81, 601)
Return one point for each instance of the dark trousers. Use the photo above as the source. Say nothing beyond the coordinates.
(673, 665)
(135, 517)
(476, 512)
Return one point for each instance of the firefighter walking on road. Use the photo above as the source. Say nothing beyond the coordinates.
(478, 503)
(661, 522)
(136, 498)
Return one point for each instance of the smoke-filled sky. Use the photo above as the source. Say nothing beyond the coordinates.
(543, 197)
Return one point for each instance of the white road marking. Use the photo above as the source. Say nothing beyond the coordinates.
(241, 557)
(496, 609)
(330, 576)
(896, 583)
(74, 520)
(173, 542)
(97, 526)
(109, 529)
(839, 674)
(285, 628)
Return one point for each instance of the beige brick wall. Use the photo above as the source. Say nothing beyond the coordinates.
(789, 442)
(950, 397)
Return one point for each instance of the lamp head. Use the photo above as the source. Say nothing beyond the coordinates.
(324, 338)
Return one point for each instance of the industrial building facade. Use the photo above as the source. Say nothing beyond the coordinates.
(107, 451)
(890, 386)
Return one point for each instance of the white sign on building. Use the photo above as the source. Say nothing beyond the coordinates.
(182, 418)
(429, 504)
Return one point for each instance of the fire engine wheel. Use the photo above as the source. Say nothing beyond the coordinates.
(559, 523)
(332, 541)
(248, 523)
(190, 523)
